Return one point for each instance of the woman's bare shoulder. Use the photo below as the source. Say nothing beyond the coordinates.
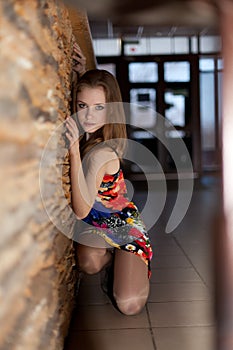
(102, 152)
(105, 157)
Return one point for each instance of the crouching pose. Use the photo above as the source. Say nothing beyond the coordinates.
(114, 237)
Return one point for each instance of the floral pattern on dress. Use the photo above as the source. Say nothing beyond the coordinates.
(117, 219)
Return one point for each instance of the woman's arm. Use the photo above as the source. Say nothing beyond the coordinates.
(81, 197)
(84, 188)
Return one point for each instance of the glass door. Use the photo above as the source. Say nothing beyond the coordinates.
(211, 71)
(177, 108)
(160, 94)
(143, 78)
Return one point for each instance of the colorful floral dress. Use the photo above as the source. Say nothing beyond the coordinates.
(117, 219)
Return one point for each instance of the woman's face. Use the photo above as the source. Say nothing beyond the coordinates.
(91, 106)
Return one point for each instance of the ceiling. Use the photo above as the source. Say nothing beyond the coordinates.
(107, 29)
(134, 18)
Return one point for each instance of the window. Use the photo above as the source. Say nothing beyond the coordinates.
(142, 108)
(206, 64)
(136, 47)
(207, 108)
(160, 46)
(107, 47)
(143, 72)
(110, 67)
(175, 111)
(210, 44)
(167, 45)
(177, 71)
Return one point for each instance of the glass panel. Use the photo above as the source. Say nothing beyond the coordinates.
(169, 45)
(177, 71)
(174, 134)
(160, 46)
(107, 47)
(220, 64)
(206, 64)
(142, 108)
(181, 45)
(194, 44)
(110, 67)
(136, 47)
(175, 111)
(139, 134)
(207, 107)
(143, 72)
(220, 80)
(210, 44)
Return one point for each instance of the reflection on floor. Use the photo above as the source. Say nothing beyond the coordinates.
(179, 314)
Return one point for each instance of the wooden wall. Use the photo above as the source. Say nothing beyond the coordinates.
(37, 266)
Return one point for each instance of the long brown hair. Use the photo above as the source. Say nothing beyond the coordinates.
(113, 133)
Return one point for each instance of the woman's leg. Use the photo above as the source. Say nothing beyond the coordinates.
(91, 251)
(131, 283)
(91, 260)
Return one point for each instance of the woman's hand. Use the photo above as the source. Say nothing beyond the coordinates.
(73, 136)
(79, 63)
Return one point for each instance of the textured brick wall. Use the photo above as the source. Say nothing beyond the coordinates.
(37, 277)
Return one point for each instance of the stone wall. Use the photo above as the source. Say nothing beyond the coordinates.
(37, 266)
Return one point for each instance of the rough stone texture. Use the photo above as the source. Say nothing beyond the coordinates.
(37, 272)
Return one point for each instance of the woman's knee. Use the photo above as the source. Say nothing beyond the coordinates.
(130, 306)
(88, 265)
(90, 261)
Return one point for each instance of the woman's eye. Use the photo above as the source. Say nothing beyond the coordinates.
(99, 107)
(82, 105)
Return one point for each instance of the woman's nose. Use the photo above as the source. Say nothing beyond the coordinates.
(89, 113)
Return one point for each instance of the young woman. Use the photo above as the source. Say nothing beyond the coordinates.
(115, 234)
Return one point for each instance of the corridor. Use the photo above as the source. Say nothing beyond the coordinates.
(179, 314)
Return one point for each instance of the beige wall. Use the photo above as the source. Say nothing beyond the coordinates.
(37, 272)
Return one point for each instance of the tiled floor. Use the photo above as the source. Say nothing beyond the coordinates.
(179, 313)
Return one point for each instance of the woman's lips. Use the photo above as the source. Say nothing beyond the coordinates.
(88, 124)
